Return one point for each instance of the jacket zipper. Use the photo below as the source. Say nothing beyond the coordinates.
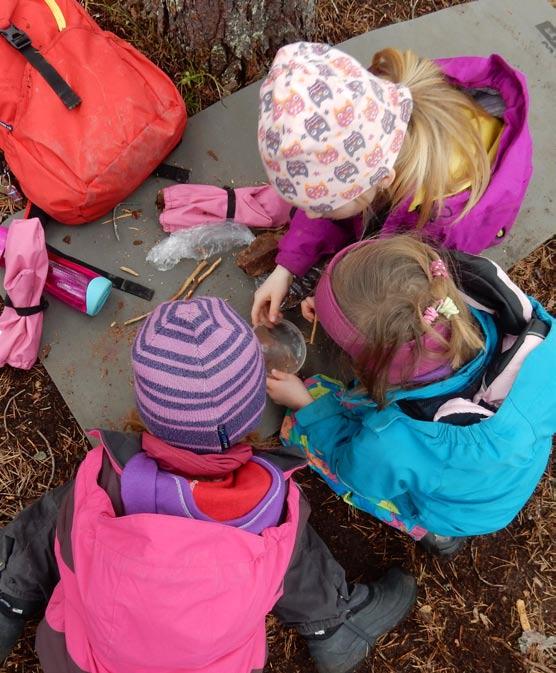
(57, 13)
(6, 126)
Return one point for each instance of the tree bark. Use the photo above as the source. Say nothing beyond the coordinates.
(234, 40)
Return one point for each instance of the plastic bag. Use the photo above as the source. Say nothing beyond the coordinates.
(529, 639)
(199, 242)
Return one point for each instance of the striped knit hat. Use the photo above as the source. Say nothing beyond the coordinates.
(199, 375)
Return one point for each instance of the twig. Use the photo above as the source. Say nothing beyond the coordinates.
(52, 460)
(522, 612)
(130, 271)
(175, 296)
(202, 277)
(540, 667)
(114, 224)
(123, 216)
(189, 280)
(490, 584)
(137, 318)
(314, 331)
(6, 409)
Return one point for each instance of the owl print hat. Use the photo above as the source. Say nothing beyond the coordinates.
(329, 130)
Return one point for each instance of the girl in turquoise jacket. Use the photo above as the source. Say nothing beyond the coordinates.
(447, 429)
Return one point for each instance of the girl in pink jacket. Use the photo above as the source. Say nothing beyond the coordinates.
(442, 146)
(170, 547)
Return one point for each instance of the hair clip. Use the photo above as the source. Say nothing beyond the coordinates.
(447, 308)
(438, 269)
(430, 315)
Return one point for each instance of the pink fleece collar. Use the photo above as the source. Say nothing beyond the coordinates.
(348, 337)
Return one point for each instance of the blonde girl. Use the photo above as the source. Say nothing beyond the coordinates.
(447, 429)
(436, 146)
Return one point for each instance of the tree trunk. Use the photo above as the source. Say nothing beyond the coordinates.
(234, 40)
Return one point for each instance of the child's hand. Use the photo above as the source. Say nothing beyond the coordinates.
(287, 390)
(308, 309)
(266, 305)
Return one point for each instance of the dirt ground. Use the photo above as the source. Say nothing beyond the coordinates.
(466, 620)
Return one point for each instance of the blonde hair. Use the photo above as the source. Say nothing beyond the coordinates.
(441, 125)
(384, 289)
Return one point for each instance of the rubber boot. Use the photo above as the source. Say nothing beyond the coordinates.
(342, 649)
(11, 629)
(442, 545)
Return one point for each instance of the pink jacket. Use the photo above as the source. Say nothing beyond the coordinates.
(151, 592)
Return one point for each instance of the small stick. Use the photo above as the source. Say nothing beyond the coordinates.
(189, 280)
(130, 271)
(52, 460)
(523, 619)
(314, 331)
(202, 277)
(131, 321)
(125, 215)
(175, 296)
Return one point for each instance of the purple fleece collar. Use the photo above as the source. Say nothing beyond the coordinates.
(146, 489)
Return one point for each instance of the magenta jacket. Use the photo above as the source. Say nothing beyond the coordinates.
(487, 224)
(152, 593)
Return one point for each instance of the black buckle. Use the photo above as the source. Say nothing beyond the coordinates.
(17, 38)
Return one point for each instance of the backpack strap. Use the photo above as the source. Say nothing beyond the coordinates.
(174, 173)
(19, 40)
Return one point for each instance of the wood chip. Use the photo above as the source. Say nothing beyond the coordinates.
(522, 612)
(131, 272)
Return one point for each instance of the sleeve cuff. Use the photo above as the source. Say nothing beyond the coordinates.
(325, 407)
(298, 267)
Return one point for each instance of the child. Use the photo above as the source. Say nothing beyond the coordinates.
(170, 548)
(448, 431)
(444, 146)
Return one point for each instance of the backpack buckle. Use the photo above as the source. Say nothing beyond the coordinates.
(17, 38)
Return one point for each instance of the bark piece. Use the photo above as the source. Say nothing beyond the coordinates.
(260, 256)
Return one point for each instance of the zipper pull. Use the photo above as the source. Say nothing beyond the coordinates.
(6, 126)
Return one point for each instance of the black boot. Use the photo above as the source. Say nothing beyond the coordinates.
(343, 648)
(442, 545)
(11, 629)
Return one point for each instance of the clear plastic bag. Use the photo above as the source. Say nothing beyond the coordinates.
(199, 242)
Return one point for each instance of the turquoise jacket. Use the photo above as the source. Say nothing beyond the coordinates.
(449, 479)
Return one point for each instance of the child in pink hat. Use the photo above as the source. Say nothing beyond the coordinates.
(170, 547)
(440, 146)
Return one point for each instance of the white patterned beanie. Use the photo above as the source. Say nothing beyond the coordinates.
(328, 129)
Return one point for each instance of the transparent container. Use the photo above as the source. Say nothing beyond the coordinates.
(283, 345)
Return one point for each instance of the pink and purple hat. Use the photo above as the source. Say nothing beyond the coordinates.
(200, 381)
(329, 130)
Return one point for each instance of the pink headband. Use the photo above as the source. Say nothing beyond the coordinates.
(348, 337)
